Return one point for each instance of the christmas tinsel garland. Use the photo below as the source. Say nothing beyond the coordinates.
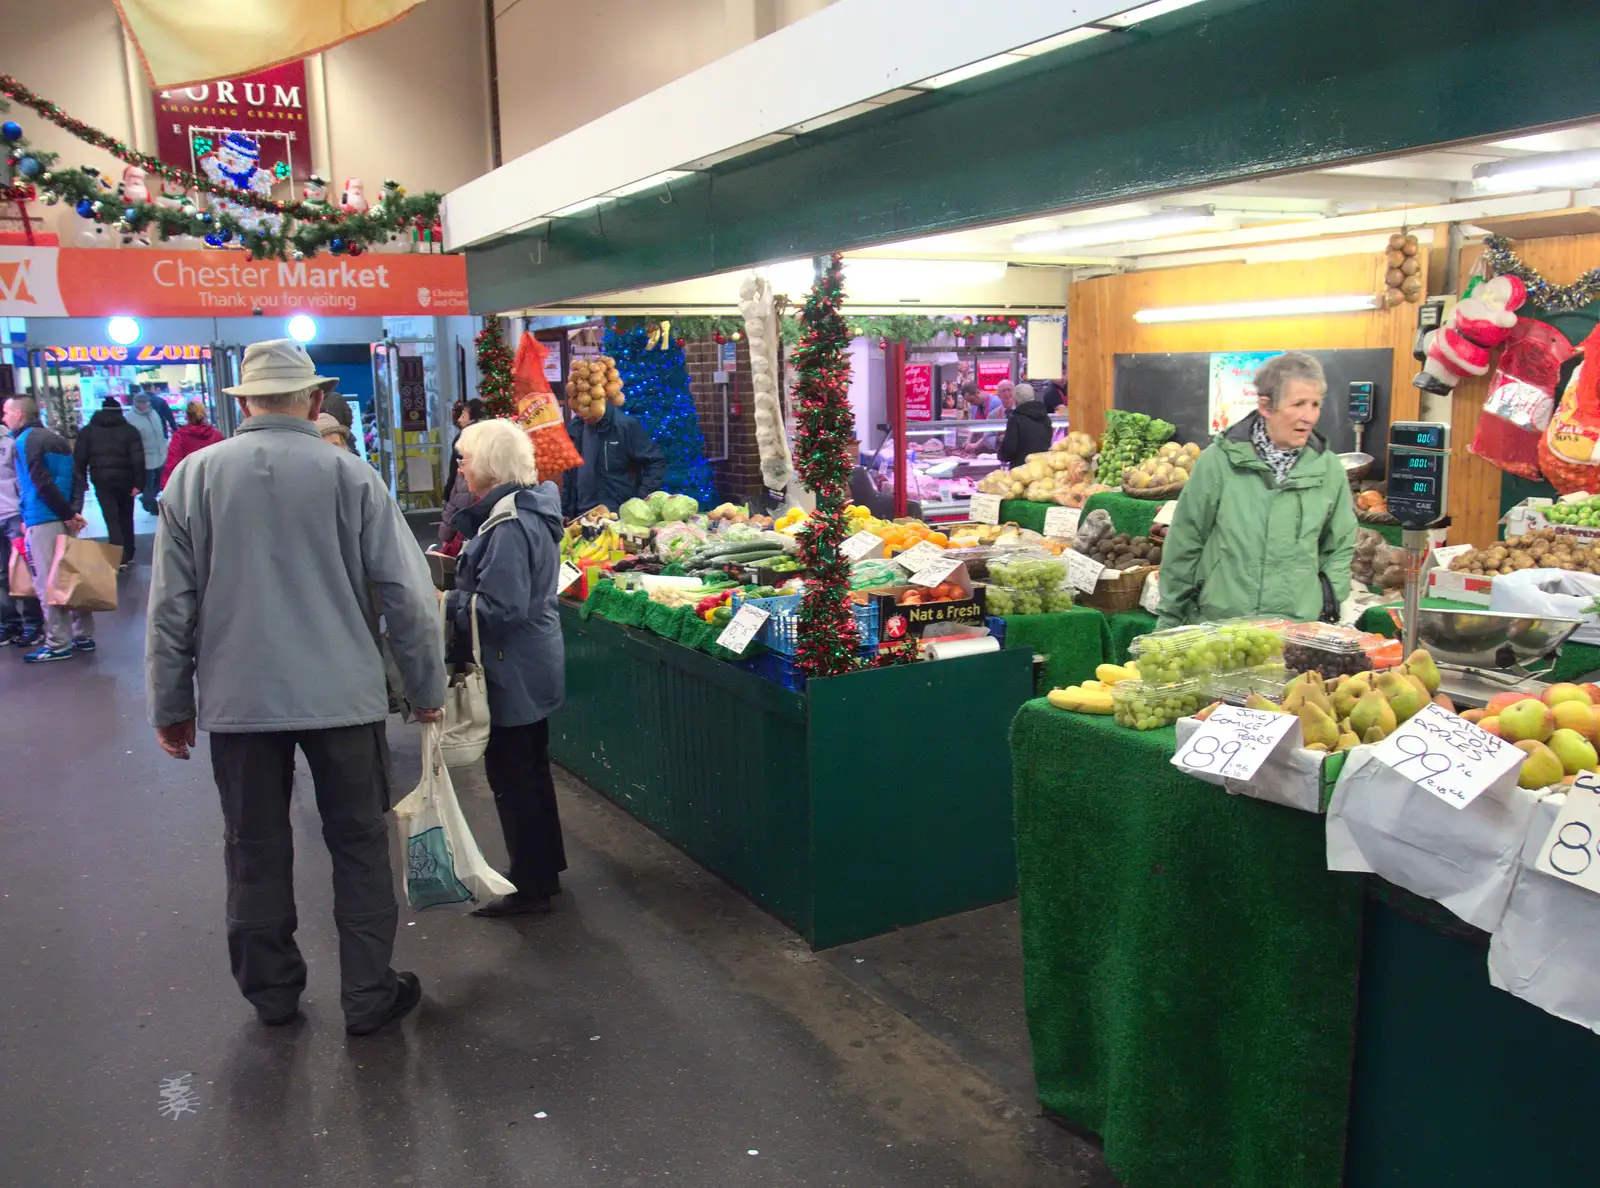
(495, 384)
(1549, 297)
(303, 229)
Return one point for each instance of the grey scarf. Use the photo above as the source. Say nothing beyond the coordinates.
(1279, 461)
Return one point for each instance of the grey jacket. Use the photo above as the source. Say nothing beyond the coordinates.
(260, 595)
(10, 507)
(511, 562)
(153, 433)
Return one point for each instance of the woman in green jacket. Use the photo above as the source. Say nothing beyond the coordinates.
(1265, 525)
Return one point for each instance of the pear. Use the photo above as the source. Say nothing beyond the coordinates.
(1373, 710)
(1257, 702)
(1347, 739)
(1375, 735)
(1317, 727)
(1349, 692)
(1404, 694)
(1420, 665)
(1317, 747)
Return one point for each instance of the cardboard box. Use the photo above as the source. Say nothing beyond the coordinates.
(896, 621)
(1529, 516)
(1459, 587)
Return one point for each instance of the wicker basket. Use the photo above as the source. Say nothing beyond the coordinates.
(1375, 518)
(1113, 595)
(1170, 491)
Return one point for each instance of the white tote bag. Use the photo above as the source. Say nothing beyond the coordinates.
(466, 706)
(443, 862)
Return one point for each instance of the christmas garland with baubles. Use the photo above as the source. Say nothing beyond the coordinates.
(241, 211)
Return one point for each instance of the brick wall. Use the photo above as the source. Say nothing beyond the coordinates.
(738, 477)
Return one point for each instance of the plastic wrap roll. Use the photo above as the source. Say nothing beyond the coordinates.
(953, 649)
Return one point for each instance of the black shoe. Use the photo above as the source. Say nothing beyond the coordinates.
(515, 904)
(282, 1020)
(552, 893)
(30, 638)
(408, 992)
(10, 635)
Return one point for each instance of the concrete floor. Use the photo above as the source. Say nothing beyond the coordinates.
(657, 1028)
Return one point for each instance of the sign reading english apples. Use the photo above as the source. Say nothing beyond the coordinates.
(86, 282)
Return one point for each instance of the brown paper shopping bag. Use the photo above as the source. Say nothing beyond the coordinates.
(19, 578)
(84, 576)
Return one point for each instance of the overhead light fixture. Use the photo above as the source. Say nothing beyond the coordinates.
(123, 331)
(1283, 308)
(566, 212)
(1560, 171)
(795, 276)
(302, 327)
(649, 183)
(1166, 222)
(1145, 12)
(972, 70)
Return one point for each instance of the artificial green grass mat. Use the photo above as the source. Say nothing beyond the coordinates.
(1126, 626)
(1073, 643)
(1575, 661)
(679, 624)
(1190, 962)
(1130, 515)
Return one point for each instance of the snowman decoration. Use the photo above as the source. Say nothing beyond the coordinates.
(175, 196)
(237, 165)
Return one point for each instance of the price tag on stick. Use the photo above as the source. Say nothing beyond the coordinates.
(924, 552)
(746, 625)
(858, 546)
(984, 509)
(1083, 572)
(1447, 755)
(1234, 742)
(569, 574)
(935, 572)
(1061, 523)
(1572, 850)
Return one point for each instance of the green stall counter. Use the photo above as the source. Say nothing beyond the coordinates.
(872, 801)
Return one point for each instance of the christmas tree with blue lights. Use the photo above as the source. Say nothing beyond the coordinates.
(656, 384)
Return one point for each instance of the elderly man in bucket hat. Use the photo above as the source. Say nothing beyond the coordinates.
(262, 631)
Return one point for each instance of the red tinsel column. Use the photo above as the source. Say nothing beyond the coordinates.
(494, 369)
(828, 642)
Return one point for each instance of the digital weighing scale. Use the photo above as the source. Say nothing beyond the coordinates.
(1418, 490)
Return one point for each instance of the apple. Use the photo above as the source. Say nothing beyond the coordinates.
(1528, 720)
(1502, 701)
(1490, 726)
(1574, 750)
(1475, 715)
(1593, 691)
(1556, 694)
(1575, 715)
(1541, 768)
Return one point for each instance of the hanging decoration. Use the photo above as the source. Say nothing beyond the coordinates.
(772, 438)
(495, 384)
(657, 386)
(1402, 276)
(241, 212)
(828, 642)
(1551, 298)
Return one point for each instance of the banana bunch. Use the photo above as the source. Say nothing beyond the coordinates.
(1093, 697)
(578, 545)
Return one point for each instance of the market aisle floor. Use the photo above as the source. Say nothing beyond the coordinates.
(656, 1029)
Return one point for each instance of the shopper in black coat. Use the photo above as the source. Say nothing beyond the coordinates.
(1028, 428)
(109, 454)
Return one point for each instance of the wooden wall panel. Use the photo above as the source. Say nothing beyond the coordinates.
(1100, 322)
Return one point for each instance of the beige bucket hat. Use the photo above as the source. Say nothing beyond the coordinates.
(275, 367)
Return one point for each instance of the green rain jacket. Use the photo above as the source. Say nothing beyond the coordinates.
(1239, 545)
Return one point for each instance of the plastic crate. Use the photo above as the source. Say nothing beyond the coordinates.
(997, 628)
(781, 670)
(779, 632)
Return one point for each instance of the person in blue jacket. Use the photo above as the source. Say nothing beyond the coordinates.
(51, 503)
(620, 462)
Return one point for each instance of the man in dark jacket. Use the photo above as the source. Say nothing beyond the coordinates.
(109, 454)
(620, 462)
(1028, 428)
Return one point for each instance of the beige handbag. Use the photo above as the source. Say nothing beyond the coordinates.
(466, 705)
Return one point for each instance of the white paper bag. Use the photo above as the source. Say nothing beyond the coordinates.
(1547, 948)
(443, 862)
(1464, 858)
(1552, 592)
(1291, 776)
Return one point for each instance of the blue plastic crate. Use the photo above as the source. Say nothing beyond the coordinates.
(997, 628)
(779, 633)
(781, 670)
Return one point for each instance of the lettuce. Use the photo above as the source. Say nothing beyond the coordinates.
(677, 507)
(636, 513)
(656, 499)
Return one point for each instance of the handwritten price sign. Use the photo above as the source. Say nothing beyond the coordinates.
(569, 574)
(984, 509)
(924, 552)
(1572, 850)
(1061, 523)
(1083, 573)
(860, 545)
(1448, 756)
(1234, 742)
(745, 626)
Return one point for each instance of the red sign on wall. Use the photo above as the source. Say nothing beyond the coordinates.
(919, 391)
(991, 372)
(268, 106)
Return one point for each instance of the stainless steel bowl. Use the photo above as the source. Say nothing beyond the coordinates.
(1356, 465)
(1490, 639)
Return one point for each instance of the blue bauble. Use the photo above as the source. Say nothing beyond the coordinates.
(85, 208)
(336, 246)
(11, 130)
(224, 235)
(215, 240)
(129, 214)
(30, 167)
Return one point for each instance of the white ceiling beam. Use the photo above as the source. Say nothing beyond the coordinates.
(755, 92)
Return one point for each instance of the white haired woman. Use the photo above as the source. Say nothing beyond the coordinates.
(1265, 524)
(510, 564)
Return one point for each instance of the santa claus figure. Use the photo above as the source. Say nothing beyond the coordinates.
(131, 193)
(237, 165)
(1480, 322)
(354, 198)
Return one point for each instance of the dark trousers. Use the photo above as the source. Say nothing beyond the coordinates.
(152, 488)
(517, 763)
(116, 505)
(14, 612)
(255, 775)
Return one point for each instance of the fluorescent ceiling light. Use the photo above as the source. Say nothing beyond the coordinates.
(1166, 222)
(1287, 307)
(795, 276)
(1145, 12)
(1561, 171)
(567, 212)
(972, 70)
(648, 183)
